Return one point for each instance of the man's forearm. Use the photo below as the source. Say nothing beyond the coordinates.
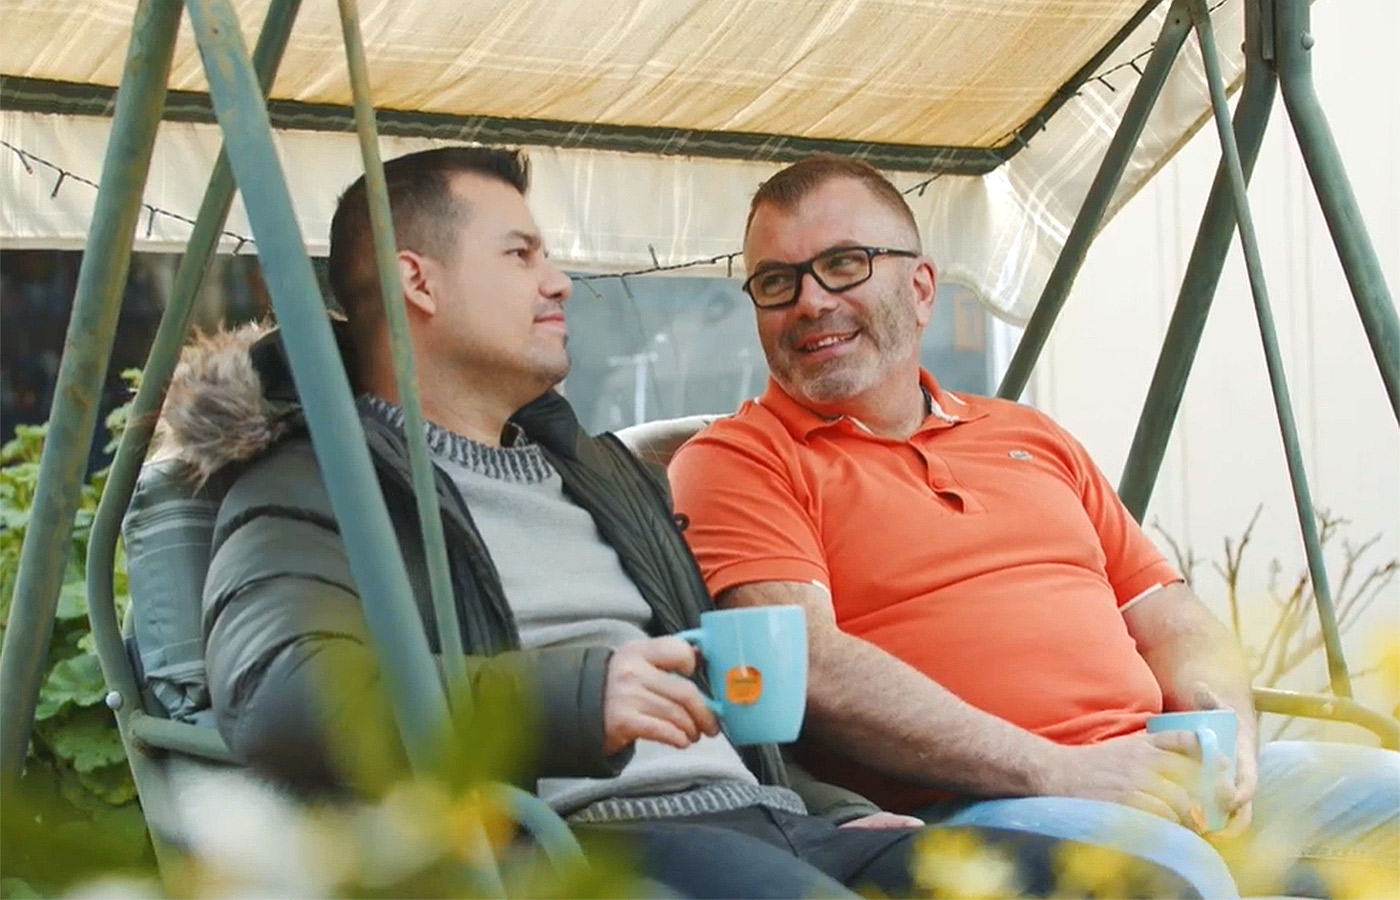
(1194, 657)
(1183, 677)
(870, 706)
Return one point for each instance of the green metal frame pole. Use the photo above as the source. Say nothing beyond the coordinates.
(401, 349)
(1086, 224)
(155, 378)
(125, 696)
(1198, 286)
(1338, 709)
(1294, 40)
(478, 845)
(413, 686)
(1307, 519)
(87, 352)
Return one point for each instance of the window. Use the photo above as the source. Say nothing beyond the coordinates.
(36, 301)
(657, 347)
(645, 348)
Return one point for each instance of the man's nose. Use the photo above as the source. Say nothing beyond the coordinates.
(556, 285)
(813, 299)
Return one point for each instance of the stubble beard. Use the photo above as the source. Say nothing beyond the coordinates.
(891, 332)
(556, 368)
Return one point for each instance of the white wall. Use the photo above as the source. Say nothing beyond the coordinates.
(1226, 456)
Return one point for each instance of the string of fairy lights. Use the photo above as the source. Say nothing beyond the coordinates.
(32, 163)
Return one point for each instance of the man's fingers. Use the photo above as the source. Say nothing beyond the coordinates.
(1148, 803)
(1239, 822)
(654, 728)
(669, 654)
(1182, 805)
(1182, 769)
(1227, 796)
(879, 820)
(1246, 777)
(1205, 698)
(680, 702)
(642, 694)
(683, 693)
(1182, 742)
(653, 718)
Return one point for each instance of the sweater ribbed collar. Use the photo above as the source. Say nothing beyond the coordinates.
(519, 459)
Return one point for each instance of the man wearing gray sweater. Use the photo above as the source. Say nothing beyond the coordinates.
(568, 570)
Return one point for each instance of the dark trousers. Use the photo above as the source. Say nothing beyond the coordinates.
(762, 853)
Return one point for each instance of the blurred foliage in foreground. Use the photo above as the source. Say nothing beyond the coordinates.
(73, 824)
(77, 791)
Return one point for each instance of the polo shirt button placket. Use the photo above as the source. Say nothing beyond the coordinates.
(938, 476)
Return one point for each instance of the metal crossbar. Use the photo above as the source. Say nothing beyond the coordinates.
(124, 696)
(1276, 56)
(399, 640)
(1273, 358)
(239, 90)
(1052, 299)
(81, 372)
(401, 349)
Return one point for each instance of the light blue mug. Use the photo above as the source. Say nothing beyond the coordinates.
(756, 660)
(1215, 731)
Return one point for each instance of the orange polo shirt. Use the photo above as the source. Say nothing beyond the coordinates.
(987, 551)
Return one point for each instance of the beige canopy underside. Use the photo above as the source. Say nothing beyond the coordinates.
(966, 73)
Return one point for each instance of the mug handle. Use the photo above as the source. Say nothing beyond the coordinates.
(693, 636)
(696, 638)
(1211, 757)
(1213, 762)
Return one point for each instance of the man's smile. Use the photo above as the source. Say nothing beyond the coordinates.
(826, 343)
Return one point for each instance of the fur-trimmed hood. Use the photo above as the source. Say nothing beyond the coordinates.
(231, 397)
(217, 411)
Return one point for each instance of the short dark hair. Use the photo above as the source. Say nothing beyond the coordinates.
(425, 211)
(791, 186)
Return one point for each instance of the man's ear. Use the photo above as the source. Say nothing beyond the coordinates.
(415, 277)
(925, 287)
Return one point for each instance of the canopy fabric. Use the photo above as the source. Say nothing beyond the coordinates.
(959, 73)
(998, 233)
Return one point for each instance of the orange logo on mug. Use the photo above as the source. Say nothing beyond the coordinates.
(743, 685)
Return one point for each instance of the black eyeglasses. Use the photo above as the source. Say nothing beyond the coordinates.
(838, 269)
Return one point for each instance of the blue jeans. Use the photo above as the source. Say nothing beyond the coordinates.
(765, 854)
(1323, 811)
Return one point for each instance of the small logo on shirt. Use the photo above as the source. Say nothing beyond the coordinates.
(1019, 454)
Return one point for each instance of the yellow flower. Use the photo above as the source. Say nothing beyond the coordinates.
(951, 863)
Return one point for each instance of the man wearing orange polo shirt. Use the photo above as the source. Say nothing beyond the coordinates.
(986, 618)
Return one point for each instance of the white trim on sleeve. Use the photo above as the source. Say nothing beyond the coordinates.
(1152, 590)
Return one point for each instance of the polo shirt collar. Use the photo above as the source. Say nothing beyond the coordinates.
(949, 409)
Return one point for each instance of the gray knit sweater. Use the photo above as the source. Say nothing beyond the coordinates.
(566, 586)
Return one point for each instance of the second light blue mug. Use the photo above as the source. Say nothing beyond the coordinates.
(756, 660)
(1215, 731)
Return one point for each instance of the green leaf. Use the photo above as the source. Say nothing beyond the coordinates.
(67, 639)
(26, 445)
(82, 521)
(18, 889)
(91, 822)
(119, 418)
(11, 517)
(89, 739)
(74, 681)
(112, 782)
(72, 601)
